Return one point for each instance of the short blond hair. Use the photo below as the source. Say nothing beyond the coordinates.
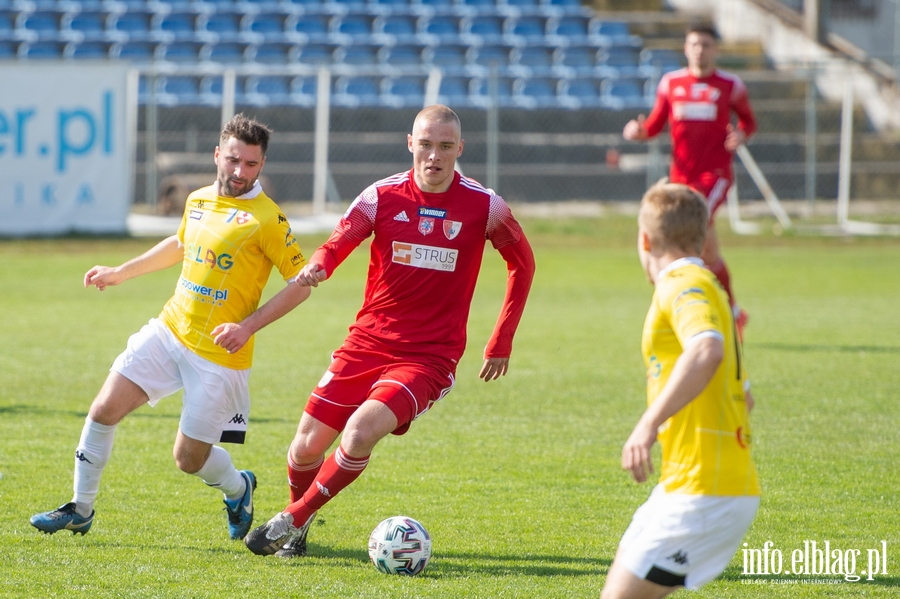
(674, 216)
(438, 113)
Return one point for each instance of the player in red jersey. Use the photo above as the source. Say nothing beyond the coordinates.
(429, 226)
(697, 102)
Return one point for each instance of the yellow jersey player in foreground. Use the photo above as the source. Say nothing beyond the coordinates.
(698, 407)
(231, 236)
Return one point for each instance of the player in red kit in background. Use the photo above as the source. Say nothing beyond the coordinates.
(697, 102)
(429, 225)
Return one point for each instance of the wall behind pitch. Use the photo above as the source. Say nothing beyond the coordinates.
(65, 148)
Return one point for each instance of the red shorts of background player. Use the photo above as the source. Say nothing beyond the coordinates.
(714, 187)
(356, 374)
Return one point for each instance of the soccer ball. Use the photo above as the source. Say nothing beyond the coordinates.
(400, 545)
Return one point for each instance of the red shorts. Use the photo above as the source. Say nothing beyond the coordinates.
(407, 386)
(714, 188)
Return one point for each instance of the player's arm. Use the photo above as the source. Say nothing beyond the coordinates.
(746, 126)
(519, 259)
(164, 254)
(233, 336)
(692, 372)
(642, 128)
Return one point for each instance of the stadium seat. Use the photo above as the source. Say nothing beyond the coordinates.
(356, 55)
(454, 91)
(304, 90)
(40, 50)
(580, 92)
(657, 61)
(482, 58)
(400, 56)
(440, 28)
(521, 6)
(575, 60)
(182, 52)
(524, 30)
(352, 28)
(271, 53)
(449, 58)
(130, 26)
(219, 27)
(174, 26)
(480, 94)
(83, 26)
(612, 33)
(534, 92)
(133, 51)
(318, 54)
(269, 90)
(531, 60)
(402, 92)
(394, 28)
(87, 50)
(618, 94)
(225, 53)
(7, 25)
(174, 90)
(39, 26)
(436, 4)
(311, 28)
(480, 6)
(356, 91)
(619, 61)
(8, 50)
(390, 4)
(569, 29)
(482, 29)
(564, 6)
(263, 27)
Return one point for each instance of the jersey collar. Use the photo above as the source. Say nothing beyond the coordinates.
(678, 264)
(254, 191)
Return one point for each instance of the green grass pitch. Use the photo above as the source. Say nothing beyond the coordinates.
(518, 480)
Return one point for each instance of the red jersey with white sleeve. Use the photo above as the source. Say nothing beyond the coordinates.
(424, 262)
(698, 110)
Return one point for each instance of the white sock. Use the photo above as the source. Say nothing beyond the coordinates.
(91, 456)
(219, 472)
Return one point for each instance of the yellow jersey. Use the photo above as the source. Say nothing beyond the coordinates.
(706, 445)
(230, 246)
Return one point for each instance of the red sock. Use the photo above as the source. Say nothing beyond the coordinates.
(301, 477)
(338, 471)
(719, 269)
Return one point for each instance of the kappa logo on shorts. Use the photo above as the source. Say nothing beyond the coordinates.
(679, 557)
(238, 419)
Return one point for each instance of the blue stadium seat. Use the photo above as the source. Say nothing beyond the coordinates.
(84, 26)
(436, 4)
(531, 60)
(264, 26)
(575, 60)
(563, 6)
(8, 50)
(352, 5)
(219, 27)
(391, 5)
(225, 52)
(7, 25)
(481, 6)
(181, 52)
(524, 30)
(39, 26)
(134, 51)
(482, 58)
(130, 26)
(356, 91)
(619, 94)
(482, 29)
(174, 90)
(580, 92)
(612, 33)
(356, 55)
(318, 54)
(268, 90)
(442, 28)
(87, 50)
(211, 89)
(521, 6)
(271, 53)
(619, 61)
(351, 28)
(40, 50)
(479, 92)
(454, 91)
(395, 28)
(400, 56)
(658, 61)
(174, 26)
(403, 91)
(534, 92)
(311, 27)
(450, 58)
(304, 90)
(571, 28)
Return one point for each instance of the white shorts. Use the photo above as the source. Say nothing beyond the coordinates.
(216, 404)
(685, 540)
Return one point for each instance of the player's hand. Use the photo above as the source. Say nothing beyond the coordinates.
(748, 398)
(634, 129)
(310, 275)
(493, 368)
(231, 336)
(102, 277)
(636, 451)
(734, 138)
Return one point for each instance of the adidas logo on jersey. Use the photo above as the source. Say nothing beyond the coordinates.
(402, 217)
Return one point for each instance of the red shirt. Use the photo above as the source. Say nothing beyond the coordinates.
(698, 110)
(424, 263)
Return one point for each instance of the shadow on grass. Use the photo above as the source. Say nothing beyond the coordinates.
(821, 347)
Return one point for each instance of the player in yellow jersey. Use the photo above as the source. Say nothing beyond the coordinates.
(231, 236)
(698, 408)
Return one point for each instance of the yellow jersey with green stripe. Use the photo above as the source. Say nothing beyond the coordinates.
(230, 247)
(706, 445)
